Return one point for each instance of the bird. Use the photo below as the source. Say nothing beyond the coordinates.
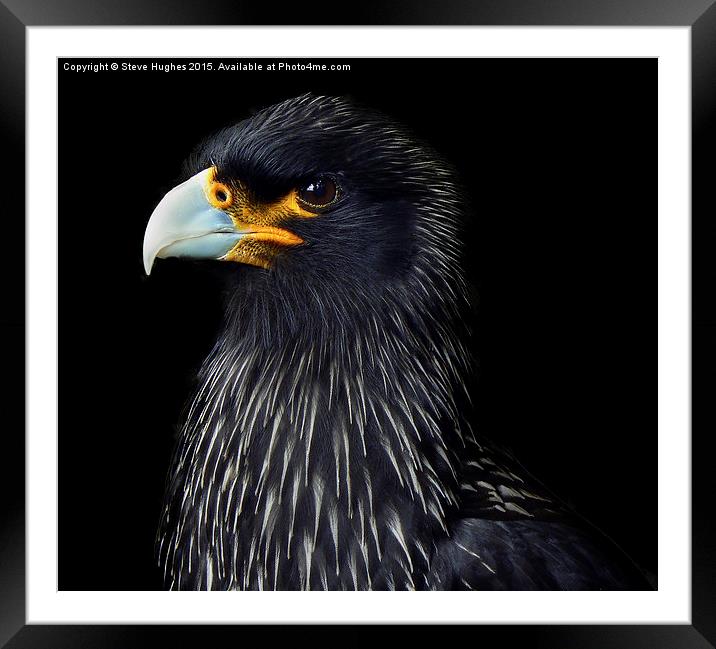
(329, 443)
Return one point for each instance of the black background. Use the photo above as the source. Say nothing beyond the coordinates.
(559, 157)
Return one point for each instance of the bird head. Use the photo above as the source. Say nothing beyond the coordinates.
(315, 204)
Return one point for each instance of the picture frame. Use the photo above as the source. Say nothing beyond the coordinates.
(17, 16)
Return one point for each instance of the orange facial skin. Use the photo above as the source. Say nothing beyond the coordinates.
(260, 222)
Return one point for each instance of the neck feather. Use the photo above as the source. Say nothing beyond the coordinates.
(318, 461)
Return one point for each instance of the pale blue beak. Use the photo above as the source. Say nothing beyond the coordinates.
(185, 224)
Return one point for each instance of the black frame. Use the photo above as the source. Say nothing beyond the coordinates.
(15, 15)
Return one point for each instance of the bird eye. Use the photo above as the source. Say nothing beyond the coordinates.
(320, 192)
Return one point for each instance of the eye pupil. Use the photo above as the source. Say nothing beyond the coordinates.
(319, 192)
(221, 195)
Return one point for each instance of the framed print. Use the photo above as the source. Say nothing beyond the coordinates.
(359, 309)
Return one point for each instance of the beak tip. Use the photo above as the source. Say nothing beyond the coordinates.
(148, 263)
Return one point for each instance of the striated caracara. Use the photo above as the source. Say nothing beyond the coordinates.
(329, 445)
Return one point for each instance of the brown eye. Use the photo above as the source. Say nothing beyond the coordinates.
(319, 192)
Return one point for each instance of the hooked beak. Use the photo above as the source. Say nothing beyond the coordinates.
(186, 224)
